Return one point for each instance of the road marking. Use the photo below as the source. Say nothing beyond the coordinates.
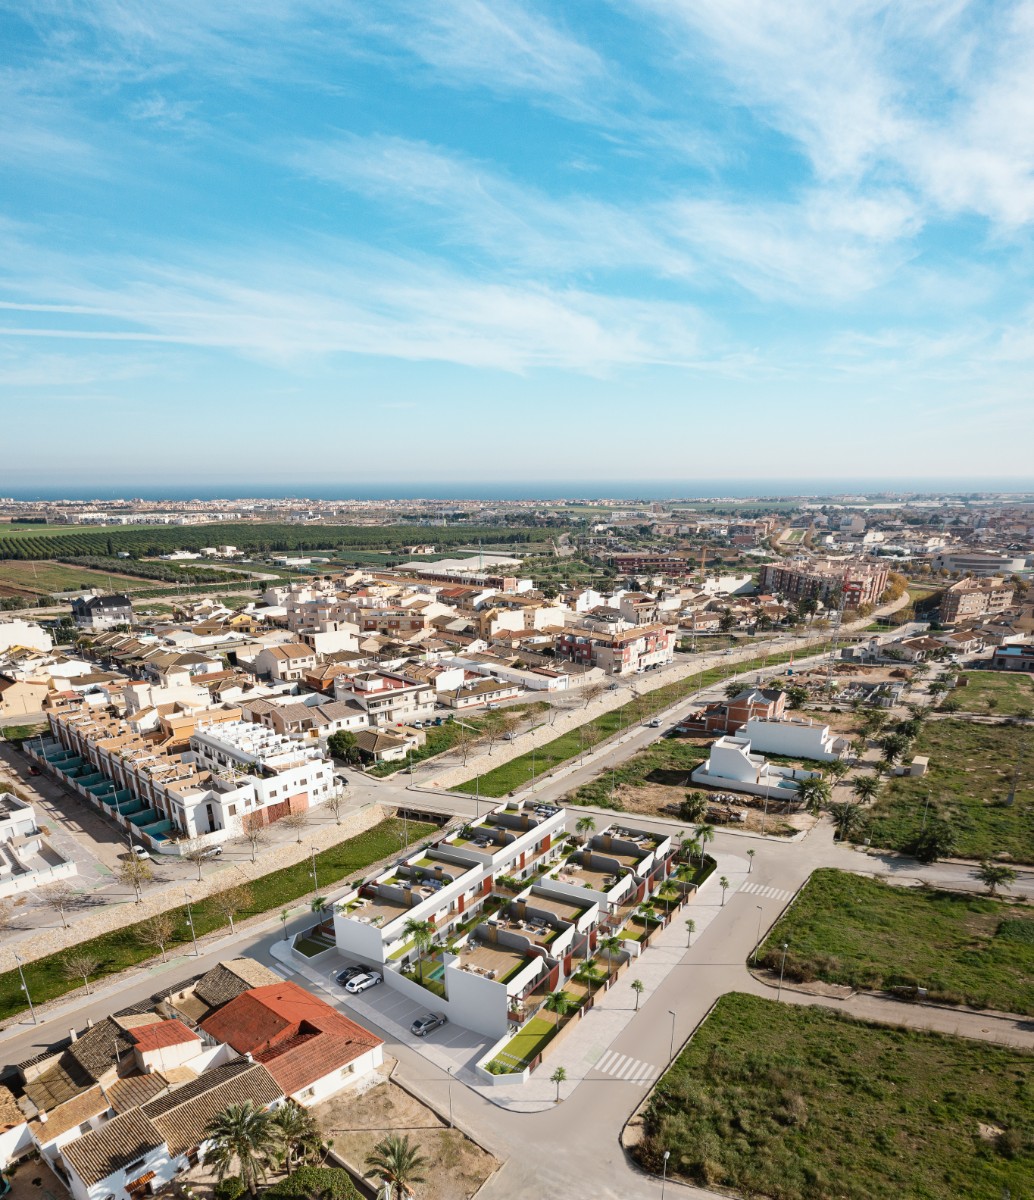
(628, 1070)
(760, 889)
(282, 970)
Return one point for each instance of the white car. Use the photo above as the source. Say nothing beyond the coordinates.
(140, 851)
(655, 724)
(362, 982)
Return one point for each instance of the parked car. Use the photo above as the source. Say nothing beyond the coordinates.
(139, 851)
(213, 851)
(654, 724)
(33, 769)
(428, 1023)
(350, 973)
(361, 982)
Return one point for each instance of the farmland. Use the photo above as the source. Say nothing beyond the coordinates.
(47, 578)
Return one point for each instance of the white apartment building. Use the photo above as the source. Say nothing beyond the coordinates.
(388, 698)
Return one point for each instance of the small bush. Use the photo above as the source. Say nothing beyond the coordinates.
(329, 1183)
(230, 1188)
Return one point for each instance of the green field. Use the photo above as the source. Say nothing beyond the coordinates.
(963, 949)
(999, 692)
(122, 948)
(970, 776)
(521, 770)
(46, 578)
(790, 1102)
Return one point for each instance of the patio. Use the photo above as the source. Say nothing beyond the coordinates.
(492, 961)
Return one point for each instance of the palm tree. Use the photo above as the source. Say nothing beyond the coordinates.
(298, 1133)
(813, 793)
(691, 928)
(692, 847)
(847, 820)
(559, 1002)
(704, 834)
(838, 769)
(558, 1077)
(994, 876)
(638, 987)
(245, 1135)
(750, 860)
(398, 1162)
(723, 883)
(422, 935)
(612, 945)
(584, 826)
(866, 788)
(893, 746)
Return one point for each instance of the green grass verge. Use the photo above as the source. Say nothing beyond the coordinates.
(123, 948)
(997, 692)
(964, 949)
(802, 1103)
(311, 948)
(531, 1040)
(970, 776)
(521, 770)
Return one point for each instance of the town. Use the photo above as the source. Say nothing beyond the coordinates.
(376, 852)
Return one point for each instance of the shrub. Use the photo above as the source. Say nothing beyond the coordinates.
(230, 1188)
(329, 1183)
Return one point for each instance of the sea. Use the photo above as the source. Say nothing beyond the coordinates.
(534, 490)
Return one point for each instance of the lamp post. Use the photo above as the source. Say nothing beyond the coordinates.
(758, 941)
(25, 989)
(450, 1098)
(190, 922)
(664, 1175)
(671, 1047)
(315, 877)
(782, 964)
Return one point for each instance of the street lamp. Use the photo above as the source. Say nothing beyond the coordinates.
(782, 964)
(758, 942)
(190, 922)
(664, 1176)
(315, 877)
(451, 1126)
(671, 1047)
(25, 989)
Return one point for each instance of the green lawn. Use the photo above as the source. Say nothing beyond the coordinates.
(46, 578)
(523, 1046)
(122, 948)
(521, 770)
(964, 949)
(999, 692)
(800, 1103)
(970, 776)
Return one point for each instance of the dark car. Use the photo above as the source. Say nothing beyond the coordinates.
(349, 973)
(426, 1024)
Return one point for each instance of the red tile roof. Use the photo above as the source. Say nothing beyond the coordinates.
(162, 1033)
(295, 1035)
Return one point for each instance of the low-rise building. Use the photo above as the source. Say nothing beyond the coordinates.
(795, 737)
(857, 581)
(102, 612)
(974, 598)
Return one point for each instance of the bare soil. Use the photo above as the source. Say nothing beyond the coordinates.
(656, 800)
(456, 1166)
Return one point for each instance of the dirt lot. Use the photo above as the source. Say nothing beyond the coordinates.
(653, 799)
(456, 1166)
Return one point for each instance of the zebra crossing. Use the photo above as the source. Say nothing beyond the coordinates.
(628, 1070)
(770, 893)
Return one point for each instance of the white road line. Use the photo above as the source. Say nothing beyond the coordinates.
(632, 1067)
(606, 1061)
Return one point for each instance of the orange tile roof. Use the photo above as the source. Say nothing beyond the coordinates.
(162, 1033)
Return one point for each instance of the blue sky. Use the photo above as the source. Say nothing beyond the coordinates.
(275, 240)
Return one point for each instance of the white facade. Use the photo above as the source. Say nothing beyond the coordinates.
(733, 766)
(794, 737)
(23, 633)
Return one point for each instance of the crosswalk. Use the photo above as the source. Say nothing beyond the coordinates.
(770, 893)
(628, 1070)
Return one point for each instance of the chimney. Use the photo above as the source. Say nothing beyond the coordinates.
(42, 1116)
(72, 1035)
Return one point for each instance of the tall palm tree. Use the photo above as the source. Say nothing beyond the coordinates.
(813, 793)
(847, 820)
(559, 1002)
(421, 933)
(704, 834)
(298, 1134)
(838, 769)
(584, 826)
(245, 1135)
(399, 1163)
(866, 787)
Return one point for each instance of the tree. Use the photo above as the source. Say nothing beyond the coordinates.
(848, 820)
(195, 851)
(336, 804)
(723, 883)
(421, 934)
(243, 1135)
(558, 1077)
(893, 746)
(995, 875)
(398, 1162)
(135, 872)
(704, 834)
(796, 695)
(866, 788)
(726, 621)
(229, 902)
(345, 746)
(78, 964)
(60, 896)
(873, 721)
(638, 987)
(813, 794)
(750, 860)
(733, 689)
(936, 841)
(612, 944)
(299, 1136)
(592, 692)
(691, 928)
(497, 727)
(590, 736)
(584, 826)
(559, 1002)
(464, 740)
(255, 836)
(837, 768)
(693, 807)
(297, 822)
(157, 932)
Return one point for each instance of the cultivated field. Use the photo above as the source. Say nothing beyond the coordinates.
(45, 578)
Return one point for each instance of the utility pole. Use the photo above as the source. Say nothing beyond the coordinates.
(25, 988)
(190, 922)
